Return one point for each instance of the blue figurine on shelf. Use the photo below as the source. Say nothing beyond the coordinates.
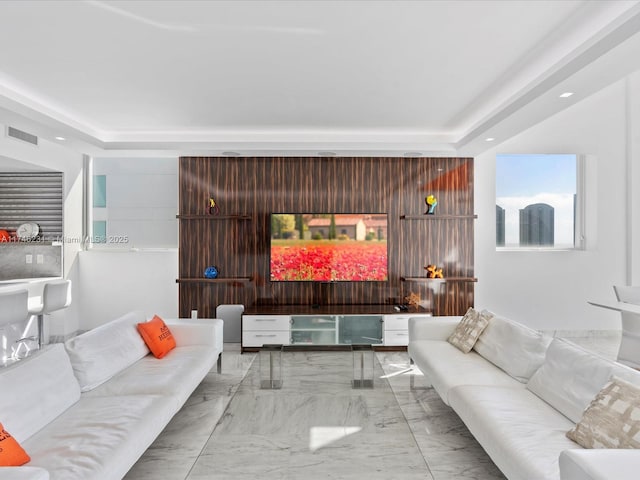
(211, 272)
(431, 202)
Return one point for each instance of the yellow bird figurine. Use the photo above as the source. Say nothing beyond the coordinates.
(213, 207)
(431, 202)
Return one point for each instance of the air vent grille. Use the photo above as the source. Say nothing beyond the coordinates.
(21, 135)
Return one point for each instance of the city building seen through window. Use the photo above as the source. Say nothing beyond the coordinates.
(537, 201)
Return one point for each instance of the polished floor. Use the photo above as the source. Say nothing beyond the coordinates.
(318, 427)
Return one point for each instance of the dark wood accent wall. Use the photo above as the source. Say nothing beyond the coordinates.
(256, 187)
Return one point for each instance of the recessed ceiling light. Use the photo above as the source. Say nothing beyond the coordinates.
(489, 139)
(566, 94)
(60, 138)
(230, 154)
(327, 154)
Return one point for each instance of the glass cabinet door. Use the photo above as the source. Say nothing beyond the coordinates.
(360, 329)
(314, 330)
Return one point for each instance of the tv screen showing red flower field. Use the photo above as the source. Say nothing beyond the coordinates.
(332, 247)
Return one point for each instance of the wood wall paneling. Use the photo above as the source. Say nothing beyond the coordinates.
(259, 186)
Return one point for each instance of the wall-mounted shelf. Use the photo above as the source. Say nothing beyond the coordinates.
(436, 217)
(214, 280)
(446, 279)
(213, 217)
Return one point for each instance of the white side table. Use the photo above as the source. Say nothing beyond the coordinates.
(629, 353)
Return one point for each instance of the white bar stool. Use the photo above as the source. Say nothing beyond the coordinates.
(55, 296)
(13, 309)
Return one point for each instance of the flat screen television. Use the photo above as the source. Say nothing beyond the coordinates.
(328, 247)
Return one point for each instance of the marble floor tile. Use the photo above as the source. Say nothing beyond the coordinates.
(298, 413)
(480, 470)
(162, 463)
(316, 426)
(243, 457)
(291, 457)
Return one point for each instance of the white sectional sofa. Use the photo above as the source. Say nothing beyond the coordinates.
(519, 392)
(88, 409)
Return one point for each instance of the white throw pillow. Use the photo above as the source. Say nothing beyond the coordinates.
(570, 377)
(513, 347)
(99, 354)
(34, 391)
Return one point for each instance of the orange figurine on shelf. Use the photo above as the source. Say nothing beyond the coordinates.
(433, 271)
(413, 300)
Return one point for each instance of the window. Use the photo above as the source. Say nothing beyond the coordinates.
(99, 231)
(134, 202)
(538, 201)
(99, 191)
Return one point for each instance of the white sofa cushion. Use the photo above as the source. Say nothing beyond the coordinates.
(432, 328)
(99, 354)
(99, 438)
(176, 375)
(599, 464)
(23, 473)
(570, 377)
(522, 434)
(446, 367)
(198, 342)
(203, 331)
(34, 391)
(515, 348)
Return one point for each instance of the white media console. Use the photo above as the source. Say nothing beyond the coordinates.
(336, 325)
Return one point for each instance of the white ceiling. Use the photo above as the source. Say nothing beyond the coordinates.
(285, 77)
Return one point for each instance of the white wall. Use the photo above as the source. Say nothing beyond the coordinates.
(633, 194)
(108, 284)
(546, 289)
(142, 201)
(52, 156)
(115, 282)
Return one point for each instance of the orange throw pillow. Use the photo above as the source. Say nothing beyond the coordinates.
(157, 336)
(11, 453)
